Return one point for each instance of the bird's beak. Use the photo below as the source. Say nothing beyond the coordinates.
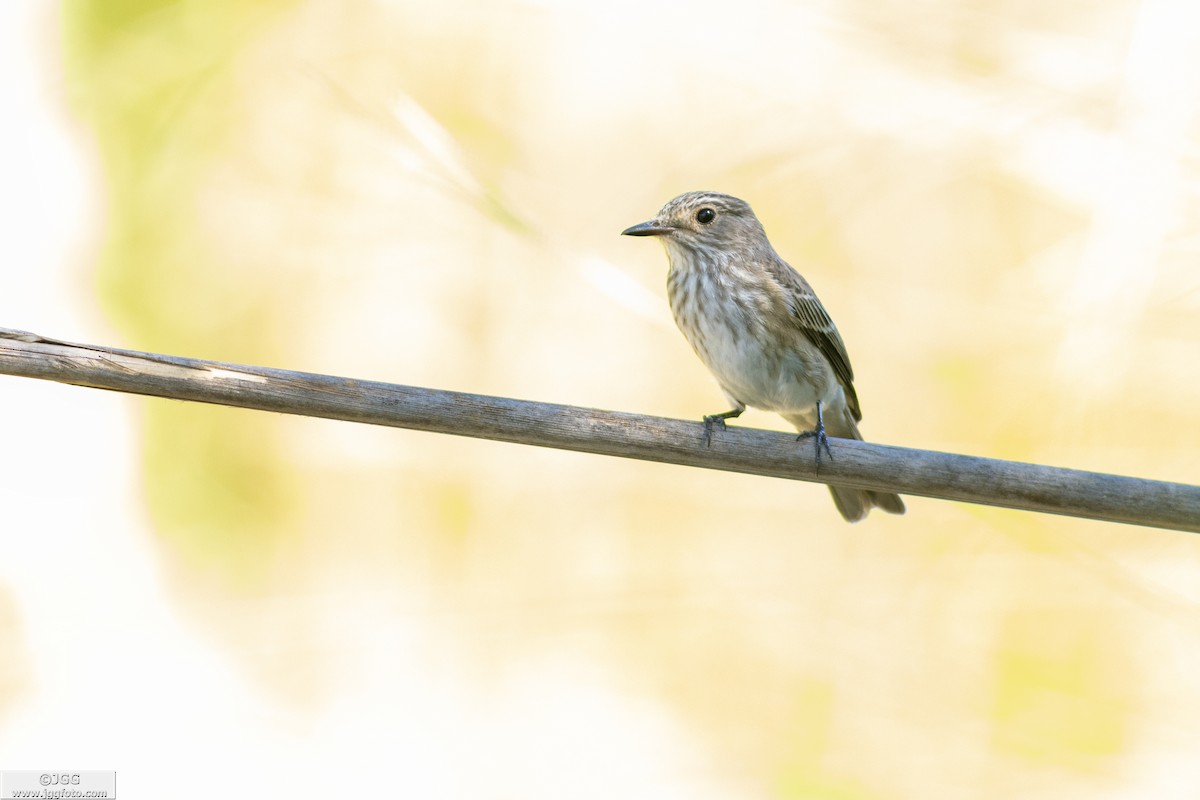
(651, 228)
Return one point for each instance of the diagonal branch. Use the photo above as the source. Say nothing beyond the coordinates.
(862, 465)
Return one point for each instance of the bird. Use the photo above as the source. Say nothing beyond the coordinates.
(758, 326)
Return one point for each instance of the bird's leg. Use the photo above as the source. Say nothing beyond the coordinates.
(818, 433)
(718, 421)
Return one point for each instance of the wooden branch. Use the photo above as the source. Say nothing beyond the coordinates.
(862, 465)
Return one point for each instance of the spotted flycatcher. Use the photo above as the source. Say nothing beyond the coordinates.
(759, 328)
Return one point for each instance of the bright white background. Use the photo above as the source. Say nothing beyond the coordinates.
(997, 203)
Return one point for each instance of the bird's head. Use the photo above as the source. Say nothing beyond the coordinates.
(704, 221)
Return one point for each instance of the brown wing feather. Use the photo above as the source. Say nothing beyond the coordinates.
(814, 321)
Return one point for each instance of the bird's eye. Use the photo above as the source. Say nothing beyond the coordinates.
(705, 216)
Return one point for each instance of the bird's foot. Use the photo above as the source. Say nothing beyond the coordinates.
(822, 441)
(818, 433)
(710, 422)
(718, 421)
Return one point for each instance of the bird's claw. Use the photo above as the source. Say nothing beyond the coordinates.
(822, 440)
(710, 422)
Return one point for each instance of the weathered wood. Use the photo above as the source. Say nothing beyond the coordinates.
(1010, 484)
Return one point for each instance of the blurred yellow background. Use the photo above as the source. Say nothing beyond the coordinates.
(998, 202)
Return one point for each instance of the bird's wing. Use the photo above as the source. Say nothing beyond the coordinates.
(814, 321)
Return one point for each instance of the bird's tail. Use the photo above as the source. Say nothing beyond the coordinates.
(855, 504)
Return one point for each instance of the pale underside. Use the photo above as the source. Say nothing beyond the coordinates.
(750, 342)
